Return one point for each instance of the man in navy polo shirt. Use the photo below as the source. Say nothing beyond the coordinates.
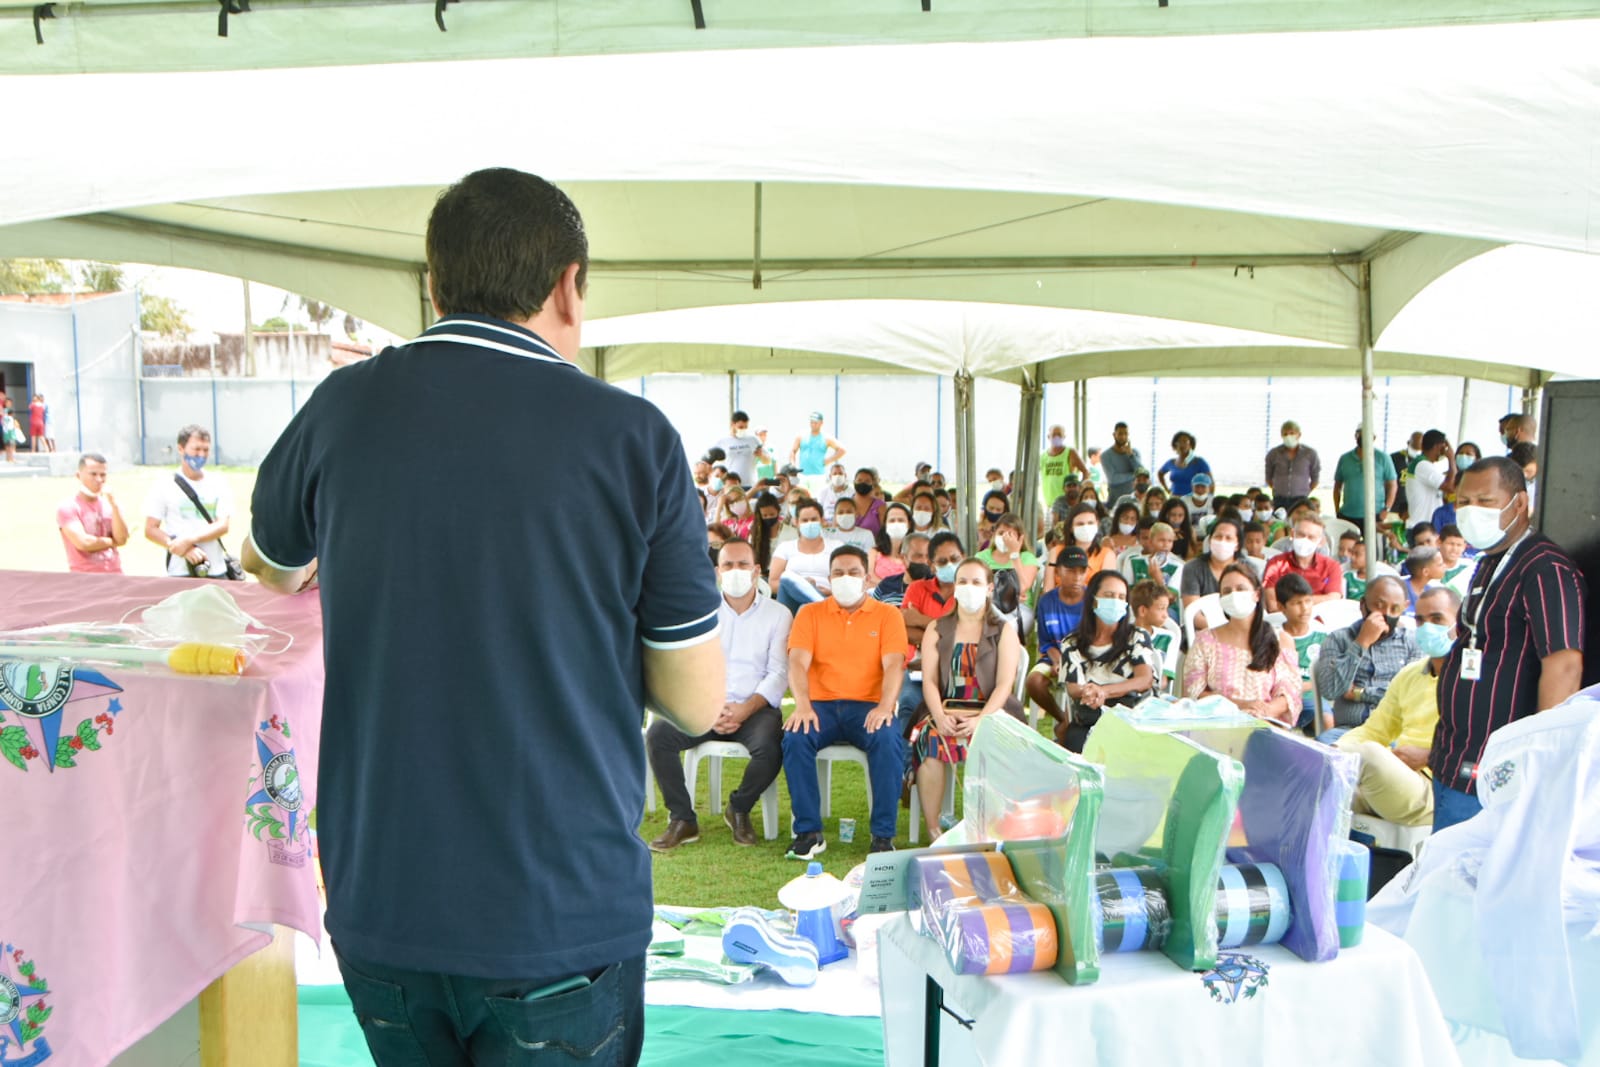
(482, 769)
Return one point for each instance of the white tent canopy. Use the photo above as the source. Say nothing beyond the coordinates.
(1178, 178)
(141, 35)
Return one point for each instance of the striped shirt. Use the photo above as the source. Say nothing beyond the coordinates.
(1533, 610)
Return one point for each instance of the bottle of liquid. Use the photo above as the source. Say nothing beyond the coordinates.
(817, 898)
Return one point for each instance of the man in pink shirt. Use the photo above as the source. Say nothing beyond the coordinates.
(1321, 571)
(91, 525)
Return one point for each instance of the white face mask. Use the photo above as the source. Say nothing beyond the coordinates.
(1223, 551)
(1306, 547)
(971, 598)
(1084, 534)
(205, 613)
(997, 485)
(844, 521)
(1239, 604)
(1291, 440)
(1127, 528)
(922, 518)
(1002, 544)
(896, 530)
(1246, 514)
(737, 583)
(847, 590)
(840, 481)
(85, 491)
(738, 507)
(1058, 442)
(1481, 526)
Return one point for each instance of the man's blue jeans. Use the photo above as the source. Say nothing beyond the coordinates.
(845, 720)
(423, 1019)
(795, 593)
(1451, 806)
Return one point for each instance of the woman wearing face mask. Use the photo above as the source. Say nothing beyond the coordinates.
(970, 659)
(800, 567)
(1245, 659)
(1124, 528)
(1200, 577)
(768, 524)
(887, 560)
(1445, 514)
(1176, 515)
(846, 532)
(1006, 553)
(1083, 530)
(925, 514)
(869, 505)
(995, 505)
(1106, 662)
(834, 488)
(1154, 501)
(735, 512)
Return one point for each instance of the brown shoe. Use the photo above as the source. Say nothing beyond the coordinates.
(677, 833)
(739, 823)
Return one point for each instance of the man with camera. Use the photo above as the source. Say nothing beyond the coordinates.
(188, 514)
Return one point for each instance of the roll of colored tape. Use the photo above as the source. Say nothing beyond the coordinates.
(1252, 905)
(1350, 904)
(1132, 909)
(972, 905)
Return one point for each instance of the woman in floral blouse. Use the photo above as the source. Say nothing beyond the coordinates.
(1245, 659)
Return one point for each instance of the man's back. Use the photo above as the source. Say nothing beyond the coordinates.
(481, 755)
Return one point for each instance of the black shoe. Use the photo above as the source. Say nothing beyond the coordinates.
(806, 846)
(739, 823)
(882, 844)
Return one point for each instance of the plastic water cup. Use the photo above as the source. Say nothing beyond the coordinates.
(847, 830)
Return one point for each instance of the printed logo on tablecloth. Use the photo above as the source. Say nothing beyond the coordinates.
(1236, 976)
(23, 1011)
(41, 699)
(272, 811)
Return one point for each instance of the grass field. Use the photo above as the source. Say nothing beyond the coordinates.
(711, 871)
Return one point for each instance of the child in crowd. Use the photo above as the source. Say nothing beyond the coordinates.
(1353, 556)
(1256, 552)
(1159, 562)
(1458, 565)
(1151, 602)
(1294, 598)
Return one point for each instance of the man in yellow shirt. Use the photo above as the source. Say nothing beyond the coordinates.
(1395, 740)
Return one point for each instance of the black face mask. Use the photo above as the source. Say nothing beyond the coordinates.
(1393, 621)
(919, 571)
(994, 516)
(863, 488)
(771, 524)
(713, 551)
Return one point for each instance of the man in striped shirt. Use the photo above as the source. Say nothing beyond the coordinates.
(1519, 645)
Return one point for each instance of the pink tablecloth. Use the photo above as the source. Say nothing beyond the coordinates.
(168, 834)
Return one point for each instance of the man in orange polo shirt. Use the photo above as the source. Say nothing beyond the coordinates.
(846, 658)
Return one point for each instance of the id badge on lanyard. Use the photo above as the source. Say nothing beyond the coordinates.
(1472, 655)
(1471, 664)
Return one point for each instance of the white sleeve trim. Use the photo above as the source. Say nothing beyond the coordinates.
(688, 642)
(685, 625)
(268, 560)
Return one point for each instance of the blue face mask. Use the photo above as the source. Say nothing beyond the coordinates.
(1110, 610)
(810, 529)
(715, 485)
(1435, 640)
(1463, 462)
(946, 572)
(196, 463)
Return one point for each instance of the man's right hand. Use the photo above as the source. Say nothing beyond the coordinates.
(1373, 628)
(727, 722)
(180, 546)
(195, 556)
(803, 721)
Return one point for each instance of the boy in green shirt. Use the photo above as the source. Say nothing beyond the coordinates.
(1294, 597)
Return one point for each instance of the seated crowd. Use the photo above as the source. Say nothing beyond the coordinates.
(895, 638)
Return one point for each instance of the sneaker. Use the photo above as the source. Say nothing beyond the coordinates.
(677, 833)
(750, 937)
(882, 844)
(807, 846)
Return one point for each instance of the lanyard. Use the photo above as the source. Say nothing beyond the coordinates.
(1480, 595)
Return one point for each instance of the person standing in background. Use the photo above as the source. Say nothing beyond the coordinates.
(91, 524)
(38, 415)
(814, 454)
(1119, 463)
(1055, 463)
(1292, 469)
(173, 520)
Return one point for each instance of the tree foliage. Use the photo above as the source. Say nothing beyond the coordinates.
(34, 276)
(276, 324)
(161, 314)
(101, 277)
(318, 312)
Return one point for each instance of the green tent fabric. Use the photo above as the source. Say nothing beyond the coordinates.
(674, 1036)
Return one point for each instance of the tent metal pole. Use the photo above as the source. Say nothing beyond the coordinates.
(1369, 469)
(1461, 426)
(1028, 437)
(966, 459)
(138, 367)
(733, 391)
(1530, 393)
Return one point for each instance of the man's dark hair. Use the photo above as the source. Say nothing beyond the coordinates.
(1451, 530)
(1418, 530)
(1523, 453)
(1254, 527)
(192, 430)
(1290, 586)
(1433, 439)
(1120, 426)
(715, 455)
(739, 416)
(733, 540)
(1508, 470)
(848, 550)
(498, 241)
(90, 457)
(942, 538)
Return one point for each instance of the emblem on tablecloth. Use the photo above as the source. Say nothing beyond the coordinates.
(272, 811)
(40, 699)
(1235, 976)
(23, 1010)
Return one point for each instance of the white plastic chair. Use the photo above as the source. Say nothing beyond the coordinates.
(712, 753)
(1332, 614)
(825, 761)
(1386, 834)
(1276, 618)
(1211, 604)
(948, 808)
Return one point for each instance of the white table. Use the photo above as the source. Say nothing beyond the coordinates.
(1371, 1005)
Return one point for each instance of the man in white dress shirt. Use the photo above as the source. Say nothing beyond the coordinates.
(755, 644)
